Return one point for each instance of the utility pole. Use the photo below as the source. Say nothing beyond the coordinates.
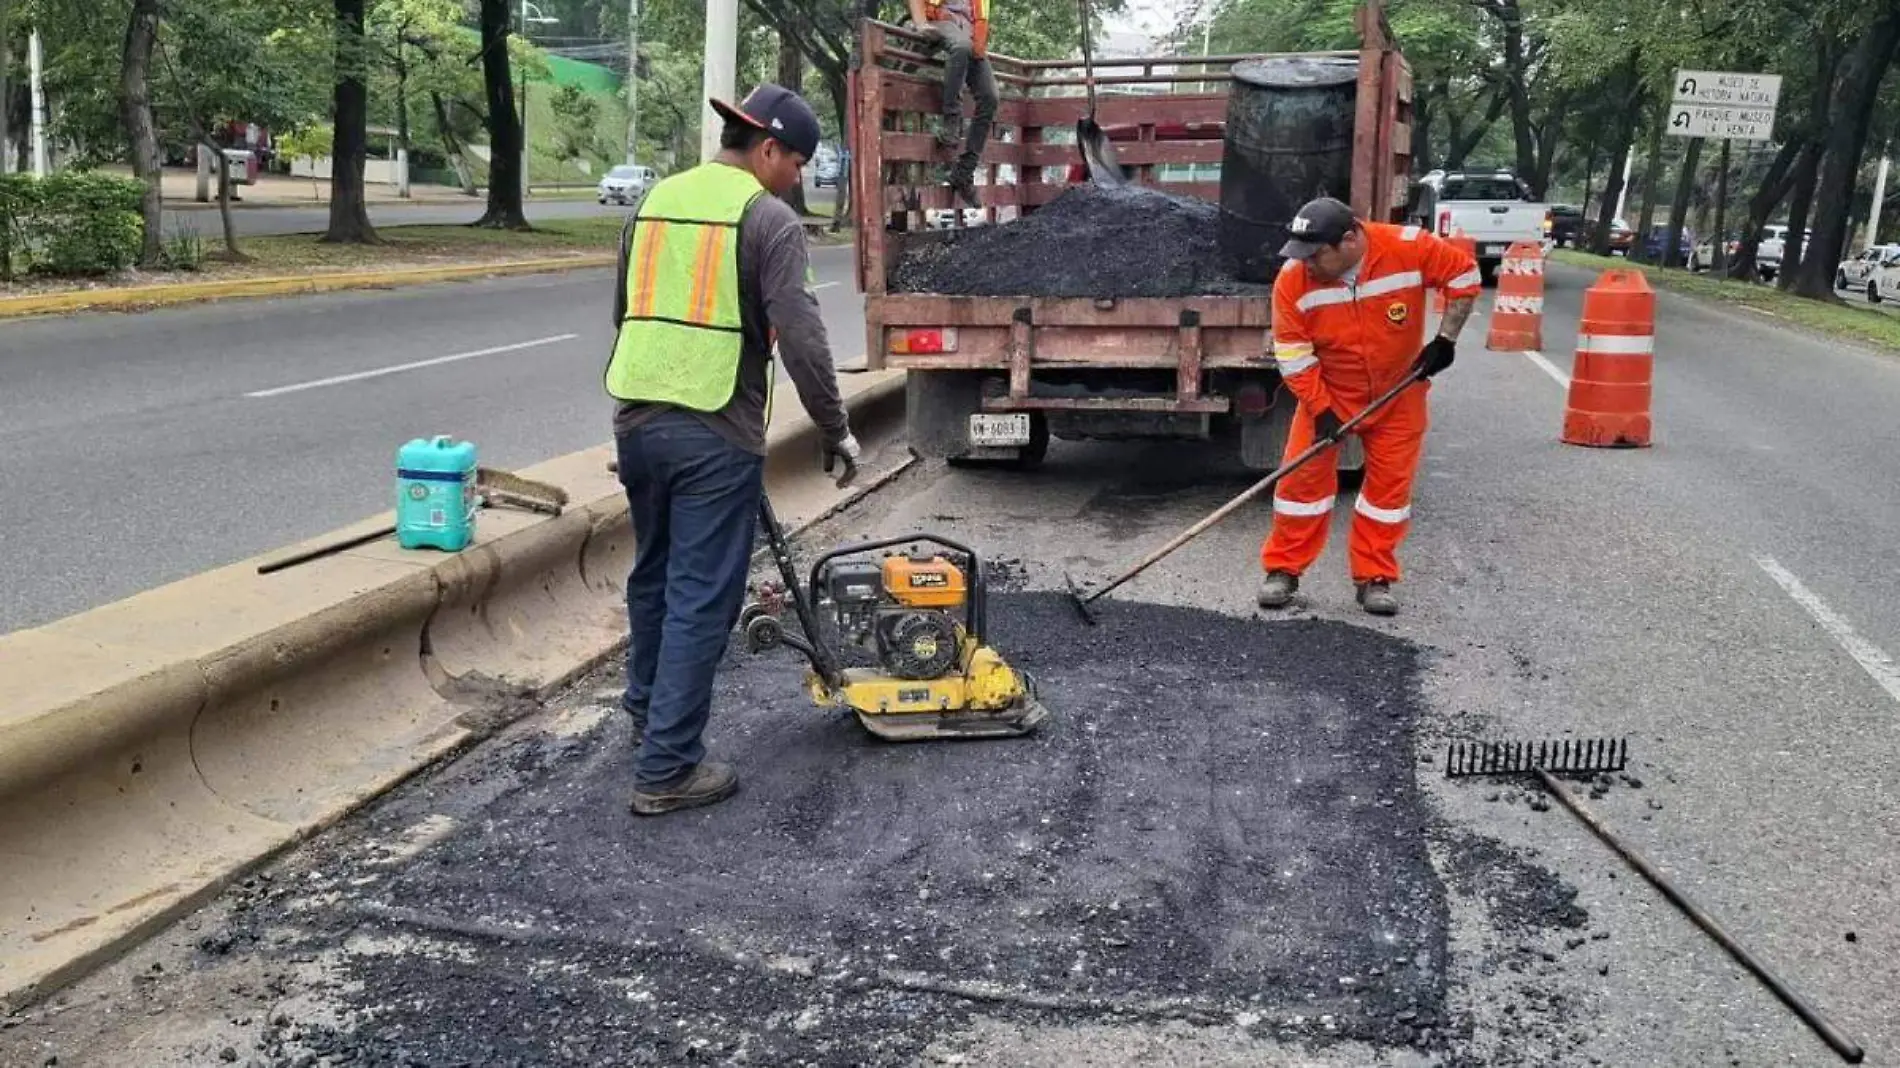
(525, 154)
(34, 73)
(6, 60)
(722, 70)
(633, 81)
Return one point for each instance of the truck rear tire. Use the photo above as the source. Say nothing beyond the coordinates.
(1488, 273)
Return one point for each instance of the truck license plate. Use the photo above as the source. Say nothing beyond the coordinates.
(1009, 429)
(1496, 250)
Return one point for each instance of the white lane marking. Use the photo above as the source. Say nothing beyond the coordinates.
(359, 376)
(1550, 369)
(823, 285)
(1868, 655)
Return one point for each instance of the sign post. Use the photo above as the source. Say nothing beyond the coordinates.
(1733, 106)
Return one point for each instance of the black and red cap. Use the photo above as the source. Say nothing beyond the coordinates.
(1320, 222)
(779, 112)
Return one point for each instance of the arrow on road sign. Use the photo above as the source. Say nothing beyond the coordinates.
(1687, 88)
(1681, 119)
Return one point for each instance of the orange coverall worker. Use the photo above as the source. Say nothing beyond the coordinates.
(1340, 345)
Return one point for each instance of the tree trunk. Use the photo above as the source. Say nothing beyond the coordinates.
(791, 75)
(1517, 93)
(135, 110)
(504, 124)
(1589, 177)
(1679, 207)
(1621, 143)
(231, 250)
(1422, 112)
(838, 88)
(1774, 189)
(452, 146)
(6, 65)
(1464, 141)
(1652, 179)
(1794, 250)
(402, 110)
(349, 210)
(1856, 94)
(1548, 136)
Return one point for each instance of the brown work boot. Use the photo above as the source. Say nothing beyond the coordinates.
(707, 784)
(962, 181)
(1276, 590)
(949, 132)
(1376, 597)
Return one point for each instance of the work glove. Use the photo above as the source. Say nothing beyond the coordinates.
(1436, 356)
(846, 449)
(1326, 425)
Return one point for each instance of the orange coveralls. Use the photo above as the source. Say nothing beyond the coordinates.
(1339, 346)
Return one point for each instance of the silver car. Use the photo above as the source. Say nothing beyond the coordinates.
(625, 184)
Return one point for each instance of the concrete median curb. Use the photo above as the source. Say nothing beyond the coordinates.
(153, 749)
(141, 297)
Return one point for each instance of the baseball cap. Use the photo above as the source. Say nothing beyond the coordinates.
(1319, 222)
(779, 112)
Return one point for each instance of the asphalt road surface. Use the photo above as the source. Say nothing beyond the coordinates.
(144, 448)
(1233, 844)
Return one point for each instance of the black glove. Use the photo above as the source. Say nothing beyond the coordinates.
(1326, 425)
(1436, 356)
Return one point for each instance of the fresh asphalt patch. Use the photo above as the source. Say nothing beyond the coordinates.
(1220, 827)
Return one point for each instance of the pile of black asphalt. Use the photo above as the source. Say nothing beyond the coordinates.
(1220, 823)
(1092, 241)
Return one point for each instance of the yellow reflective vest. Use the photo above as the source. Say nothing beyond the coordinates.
(680, 336)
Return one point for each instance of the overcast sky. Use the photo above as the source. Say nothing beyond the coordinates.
(1151, 17)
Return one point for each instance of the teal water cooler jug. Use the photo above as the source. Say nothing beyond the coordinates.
(435, 494)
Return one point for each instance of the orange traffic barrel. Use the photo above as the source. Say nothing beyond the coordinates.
(1517, 315)
(1608, 406)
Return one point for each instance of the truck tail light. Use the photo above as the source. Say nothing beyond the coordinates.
(924, 342)
(1444, 224)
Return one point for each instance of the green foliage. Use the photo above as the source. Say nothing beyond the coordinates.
(576, 125)
(71, 223)
(184, 250)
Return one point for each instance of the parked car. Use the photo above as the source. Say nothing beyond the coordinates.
(1875, 272)
(1622, 238)
(1653, 245)
(625, 184)
(828, 169)
(1703, 257)
(1566, 226)
(1768, 253)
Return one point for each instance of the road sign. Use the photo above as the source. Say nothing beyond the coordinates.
(1732, 105)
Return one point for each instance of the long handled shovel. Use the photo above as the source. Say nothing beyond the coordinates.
(1082, 602)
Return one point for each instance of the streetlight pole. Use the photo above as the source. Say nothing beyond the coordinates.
(36, 72)
(540, 20)
(721, 75)
(633, 80)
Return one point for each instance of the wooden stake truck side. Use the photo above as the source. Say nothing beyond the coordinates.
(993, 377)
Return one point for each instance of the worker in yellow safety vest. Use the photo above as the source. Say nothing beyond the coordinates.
(962, 29)
(713, 269)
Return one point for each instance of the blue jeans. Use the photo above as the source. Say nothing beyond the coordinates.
(695, 504)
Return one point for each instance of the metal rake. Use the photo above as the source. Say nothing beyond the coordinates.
(1591, 756)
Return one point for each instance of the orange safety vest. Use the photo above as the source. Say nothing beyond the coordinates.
(980, 18)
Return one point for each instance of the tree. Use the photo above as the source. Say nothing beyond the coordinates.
(791, 75)
(504, 124)
(135, 72)
(1855, 94)
(576, 124)
(349, 209)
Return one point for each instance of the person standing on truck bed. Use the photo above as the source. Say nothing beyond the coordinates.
(1348, 322)
(962, 29)
(712, 265)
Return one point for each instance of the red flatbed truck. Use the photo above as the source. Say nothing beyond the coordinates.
(992, 378)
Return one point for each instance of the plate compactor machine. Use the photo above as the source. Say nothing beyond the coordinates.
(921, 615)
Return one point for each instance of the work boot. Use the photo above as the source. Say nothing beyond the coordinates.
(1276, 590)
(706, 784)
(949, 132)
(1376, 597)
(962, 182)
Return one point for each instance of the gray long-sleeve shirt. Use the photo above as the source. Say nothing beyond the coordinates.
(774, 269)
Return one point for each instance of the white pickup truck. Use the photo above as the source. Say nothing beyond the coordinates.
(1493, 208)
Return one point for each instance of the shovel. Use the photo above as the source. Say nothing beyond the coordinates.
(1099, 164)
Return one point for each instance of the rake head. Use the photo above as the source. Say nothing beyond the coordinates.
(1593, 756)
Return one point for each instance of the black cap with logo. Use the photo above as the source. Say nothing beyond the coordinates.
(1320, 222)
(779, 112)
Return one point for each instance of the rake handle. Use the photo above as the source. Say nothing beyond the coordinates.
(1842, 1045)
(1257, 488)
